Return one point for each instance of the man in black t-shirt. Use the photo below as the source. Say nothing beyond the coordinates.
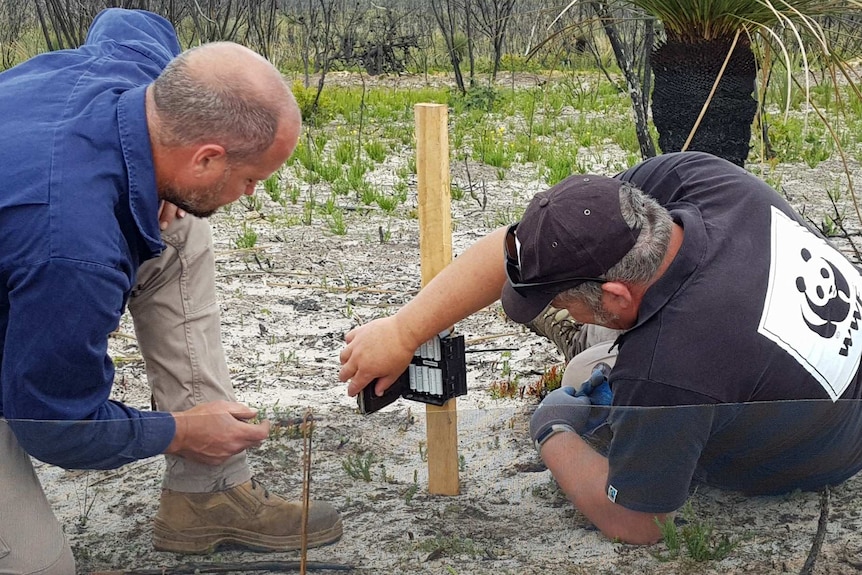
(753, 308)
(739, 347)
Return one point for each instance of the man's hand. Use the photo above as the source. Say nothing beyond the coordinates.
(567, 409)
(381, 349)
(211, 432)
(597, 387)
(561, 410)
(168, 213)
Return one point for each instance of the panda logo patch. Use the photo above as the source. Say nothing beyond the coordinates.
(827, 296)
(813, 305)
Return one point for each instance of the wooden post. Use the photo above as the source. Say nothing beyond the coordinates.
(435, 247)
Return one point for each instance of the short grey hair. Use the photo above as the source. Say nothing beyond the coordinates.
(221, 109)
(641, 263)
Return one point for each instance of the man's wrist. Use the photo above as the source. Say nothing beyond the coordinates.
(551, 431)
(180, 432)
(406, 328)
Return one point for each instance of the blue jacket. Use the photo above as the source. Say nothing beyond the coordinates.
(78, 214)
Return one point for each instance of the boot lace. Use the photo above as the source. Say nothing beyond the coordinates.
(255, 484)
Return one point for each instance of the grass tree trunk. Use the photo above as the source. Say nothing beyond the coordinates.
(684, 74)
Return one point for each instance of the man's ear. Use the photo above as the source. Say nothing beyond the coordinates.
(617, 297)
(209, 157)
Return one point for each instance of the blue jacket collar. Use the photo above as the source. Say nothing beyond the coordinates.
(138, 155)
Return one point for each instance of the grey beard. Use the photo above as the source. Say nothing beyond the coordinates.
(172, 195)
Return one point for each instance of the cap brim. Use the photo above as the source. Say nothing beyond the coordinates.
(523, 308)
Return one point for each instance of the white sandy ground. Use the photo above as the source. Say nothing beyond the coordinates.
(286, 305)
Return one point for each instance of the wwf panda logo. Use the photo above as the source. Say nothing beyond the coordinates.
(827, 295)
(812, 308)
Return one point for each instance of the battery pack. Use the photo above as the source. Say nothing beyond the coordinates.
(436, 374)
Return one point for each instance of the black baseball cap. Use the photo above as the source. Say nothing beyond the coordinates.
(571, 233)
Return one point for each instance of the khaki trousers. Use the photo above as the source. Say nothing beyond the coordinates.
(177, 323)
(595, 343)
(178, 326)
(31, 538)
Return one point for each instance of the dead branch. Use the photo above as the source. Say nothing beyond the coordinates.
(808, 567)
(307, 430)
(476, 340)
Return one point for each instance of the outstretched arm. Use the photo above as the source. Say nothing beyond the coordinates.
(383, 348)
(582, 474)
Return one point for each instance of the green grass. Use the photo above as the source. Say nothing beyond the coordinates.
(578, 123)
(272, 187)
(376, 151)
(247, 238)
(359, 466)
(694, 539)
(493, 149)
(345, 151)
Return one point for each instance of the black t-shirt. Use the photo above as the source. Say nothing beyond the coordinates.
(755, 314)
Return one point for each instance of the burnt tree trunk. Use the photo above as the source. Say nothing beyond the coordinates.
(684, 74)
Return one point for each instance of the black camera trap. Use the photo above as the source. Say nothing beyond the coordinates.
(436, 374)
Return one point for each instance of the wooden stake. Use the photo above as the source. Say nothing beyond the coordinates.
(435, 246)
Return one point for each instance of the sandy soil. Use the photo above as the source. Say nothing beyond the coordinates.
(286, 305)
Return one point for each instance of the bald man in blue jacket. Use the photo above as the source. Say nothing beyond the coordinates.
(103, 146)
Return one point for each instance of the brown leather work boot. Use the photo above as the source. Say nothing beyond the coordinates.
(246, 515)
(559, 327)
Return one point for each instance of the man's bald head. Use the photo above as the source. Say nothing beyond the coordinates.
(225, 63)
(223, 93)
